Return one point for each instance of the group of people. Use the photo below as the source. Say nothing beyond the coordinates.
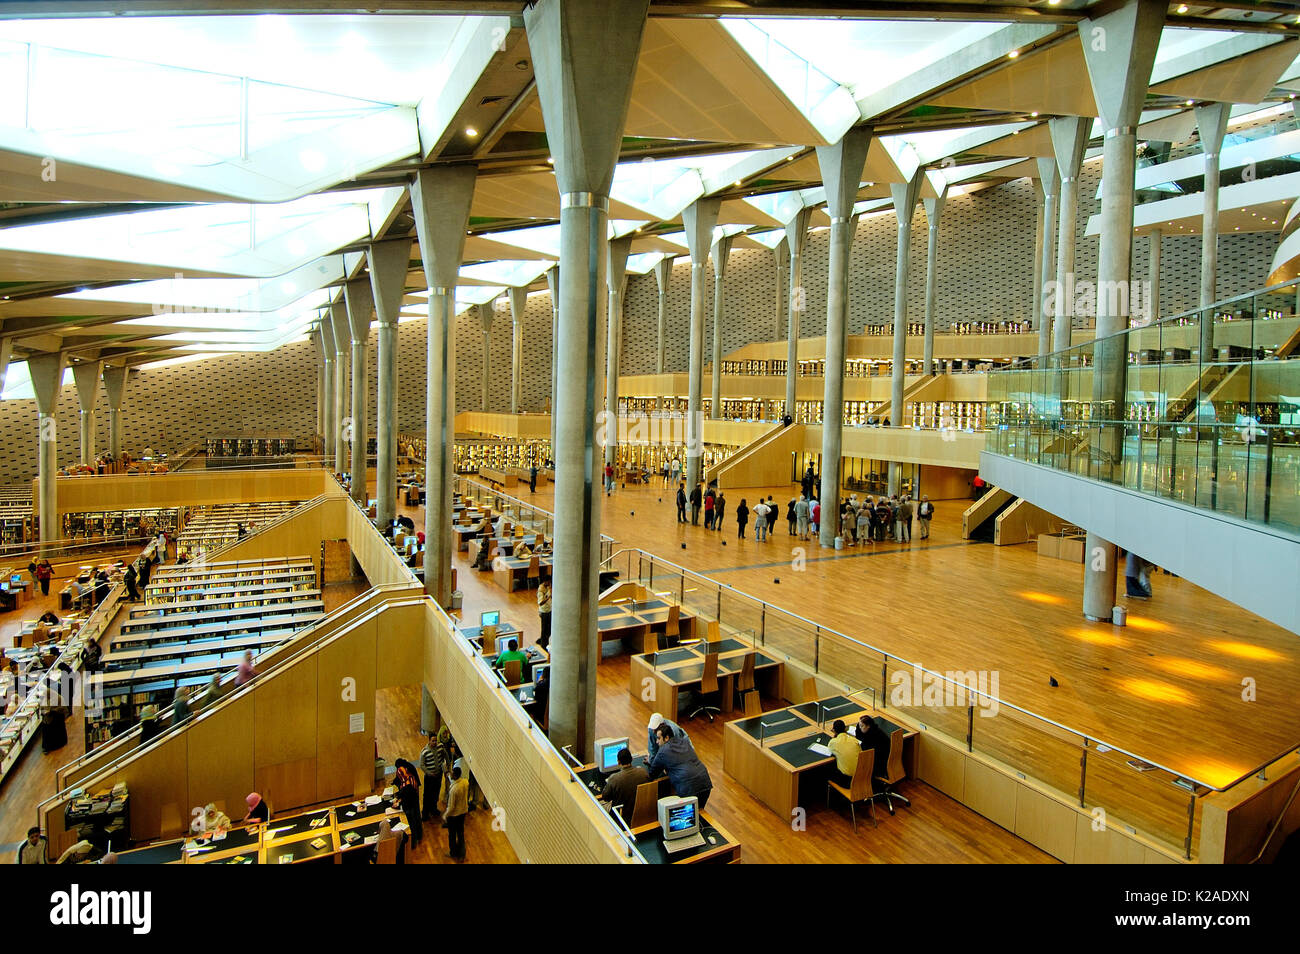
(446, 784)
(846, 747)
(669, 752)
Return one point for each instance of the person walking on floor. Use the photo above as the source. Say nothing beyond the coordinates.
(742, 517)
(457, 809)
(44, 573)
(925, 513)
(431, 765)
(719, 509)
(609, 479)
(681, 503)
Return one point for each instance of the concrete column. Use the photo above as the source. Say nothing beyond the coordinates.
(796, 235)
(389, 262)
(841, 167)
(553, 284)
(319, 345)
(360, 307)
(342, 406)
(1069, 139)
(584, 57)
(781, 254)
(518, 305)
(905, 195)
(47, 380)
(699, 219)
(115, 387)
(1212, 121)
(1120, 75)
(329, 420)
(933, 212)
(440, 201)
(663, 274)
(483, 315)
(1155, 240)
(720, 252)
(1048, 181)
(85, 375)
(616, 280)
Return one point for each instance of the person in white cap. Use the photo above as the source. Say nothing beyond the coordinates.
(655, 722)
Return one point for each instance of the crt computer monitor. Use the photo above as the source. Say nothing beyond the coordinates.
(537, 670)
(607, 753)
(503, 642)
(679, 817)
(490, 618)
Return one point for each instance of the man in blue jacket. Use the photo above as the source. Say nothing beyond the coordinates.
(677, 759)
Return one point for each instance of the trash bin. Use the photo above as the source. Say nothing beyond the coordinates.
(1119, 615)
(839, 543)
(456, 598)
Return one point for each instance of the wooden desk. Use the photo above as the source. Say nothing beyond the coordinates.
(498, 478)
(509, 571)
(630, 618)
(673, 670)
(505, 544)
(774, 770)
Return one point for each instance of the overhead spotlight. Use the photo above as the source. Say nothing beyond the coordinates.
(1013, 54)
(550, 161)
(1182, 8)
(471, 132)
(1034, 114)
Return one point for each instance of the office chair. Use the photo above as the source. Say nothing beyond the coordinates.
(514, 672)
(859, 789)
(894, 773)
(708, 687)
(646, 809)
(745, 683)
(534, 571)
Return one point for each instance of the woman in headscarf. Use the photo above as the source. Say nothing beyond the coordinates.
(211, 820)
(386, 833)
(258, 810)
(149, 727)
(245, 672)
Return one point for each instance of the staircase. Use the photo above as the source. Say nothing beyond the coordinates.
(918, 390)
(763, 462)
(983, 510)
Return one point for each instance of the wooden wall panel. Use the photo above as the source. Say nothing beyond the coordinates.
(991, 793)
(221, 757)
(1105, 847)
(286, 715)
(941, 766)
(188, 488)
(400, 648)
(346, 765)
(1045, 822)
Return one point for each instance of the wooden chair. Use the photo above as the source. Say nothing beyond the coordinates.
(810, 689)
(672, 627)
(708, 686)
(646, 809)
(713, 632)
(386, 851)
(514, 672)
(752, 705)
(859, 789)
(534, 571)
(745, 682)
(894, 773)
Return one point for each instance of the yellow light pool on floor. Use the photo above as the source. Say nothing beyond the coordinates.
(1245, 650)
(1048, 598)
(1099, 637)
(1156, 691)
(1149, 625)
(1192, 667)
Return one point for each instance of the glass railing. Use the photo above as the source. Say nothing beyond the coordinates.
(1138, 791)
(520, 513)
(1202, 408)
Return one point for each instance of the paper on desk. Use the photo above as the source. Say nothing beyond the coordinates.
(374, 799)
(819, 749)
(398, 828)
(390, 791)
(372, 839)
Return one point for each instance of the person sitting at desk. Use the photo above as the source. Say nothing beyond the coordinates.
(483, 561)
(210, 820)
(872, 736)
(652, 742)
(542, 695)
(512, 653)
(676, 758)
(258, 810)
(49, 617)
(845, 749)
(620, 790)
(522, 550)
(33, 851)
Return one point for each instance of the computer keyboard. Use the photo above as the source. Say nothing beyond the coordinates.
(682, 844)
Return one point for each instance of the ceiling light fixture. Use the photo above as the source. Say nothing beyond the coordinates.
(471, 132)
(1182, 8)
(1013, 54)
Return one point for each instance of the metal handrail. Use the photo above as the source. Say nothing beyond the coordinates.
(970, 690)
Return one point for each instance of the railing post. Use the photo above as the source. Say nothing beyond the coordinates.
(1083, 772)
(1191, 822)
(817, 649)
(884, 678)
(970, 728)
(762, 624)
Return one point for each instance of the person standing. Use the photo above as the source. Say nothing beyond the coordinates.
(772, 513)
(101, 586)
(815, 514)
(408, 796)
(431, 765)
(847, 521)
(790, 516)
(532, 478)
(719, 508)
(697, 497)
(676, 758)
(903, 520)
(801, 517)
(925, 513)
(742, 517)
(457, 809)
(544, 612)
(760, 520)
(676, 469)
(864, 522)
(681, 503)
(245, 672)
(129, 578)
(609, 479)
(708, 510)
